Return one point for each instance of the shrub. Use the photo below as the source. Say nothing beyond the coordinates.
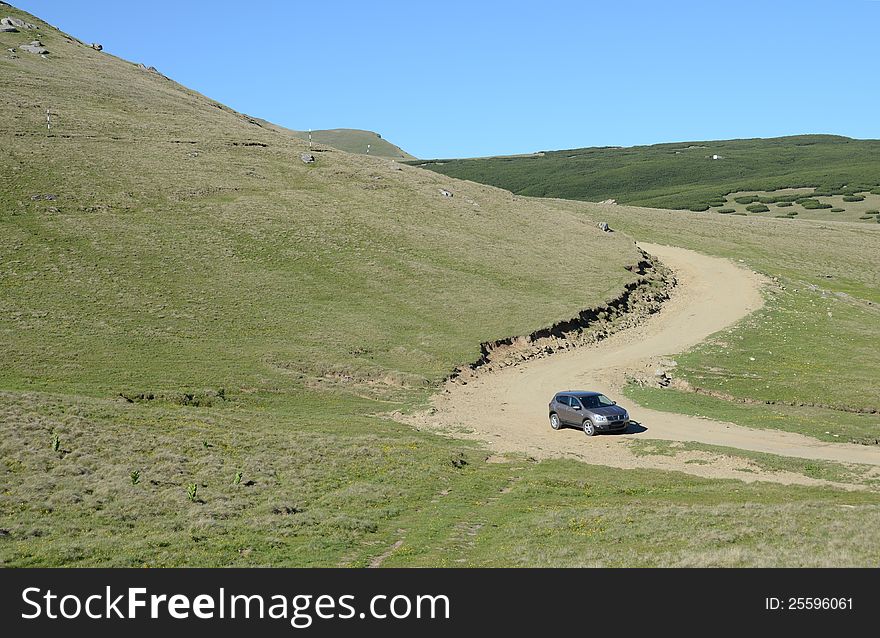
(237, 479)
(699, 208)
(875, 191)
(872, 212)
(757, 208)
(837, 210)
(784, 204)
(192, 492)
(726, 211)
(716, 204)
(135, 477)
(853, 198)
(748, 199)
(813, 204)
(739, 214)
(866, 217)
(56, 443)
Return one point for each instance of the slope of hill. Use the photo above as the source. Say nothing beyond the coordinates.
(347, 139)
(356, 141)
(693, 175)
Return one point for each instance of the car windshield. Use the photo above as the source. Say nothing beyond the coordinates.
(596, 401)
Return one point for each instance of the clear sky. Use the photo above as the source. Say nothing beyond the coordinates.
(451, 78)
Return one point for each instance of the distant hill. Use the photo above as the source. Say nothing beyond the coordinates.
(351, 140)
(682, 174)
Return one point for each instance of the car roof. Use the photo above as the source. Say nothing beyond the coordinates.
(580, 393)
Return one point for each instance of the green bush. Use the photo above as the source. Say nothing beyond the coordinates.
(699, 208)
(875, 191)
(866, 217)
(726, 211)
(739, 214)
(747, 199)
(873, 211)
(853, 198)
(813, 204)
(757, 208)
(784, 204)
(837, 210)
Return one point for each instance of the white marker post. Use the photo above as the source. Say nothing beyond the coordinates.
(48, 121)
(368, 149)
(310, 139)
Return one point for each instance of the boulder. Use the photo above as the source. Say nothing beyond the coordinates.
(307, 158)
(19, 24)
(604, 227)
(34, 47)
(97, 47)
(6, 28)
(445, 192)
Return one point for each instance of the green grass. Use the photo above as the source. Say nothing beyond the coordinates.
(324, 492)
(355, 141)
(680, 175)
(213, 257)
(845, 473)
(826, 425)
(566, 514)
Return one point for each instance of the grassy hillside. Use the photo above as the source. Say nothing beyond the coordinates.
(356, 141)
(197, 330)
(347, 139)
(684, 174)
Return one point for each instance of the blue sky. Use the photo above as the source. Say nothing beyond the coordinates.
(468, 78)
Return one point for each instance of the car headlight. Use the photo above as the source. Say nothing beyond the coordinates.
(626, 415)
(599, 417)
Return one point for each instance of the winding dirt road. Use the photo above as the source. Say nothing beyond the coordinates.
(508, 408)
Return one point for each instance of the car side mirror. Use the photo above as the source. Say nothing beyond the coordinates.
(614, 402)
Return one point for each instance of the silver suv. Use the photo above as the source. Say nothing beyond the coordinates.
(591, 411)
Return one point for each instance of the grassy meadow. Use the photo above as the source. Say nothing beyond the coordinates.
(681, 174)
(197, 331)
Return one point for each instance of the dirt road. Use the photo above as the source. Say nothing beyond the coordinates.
(508, 408)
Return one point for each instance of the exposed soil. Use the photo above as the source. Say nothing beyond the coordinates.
(506, 406)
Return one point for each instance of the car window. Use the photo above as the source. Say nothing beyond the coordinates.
(564, 400)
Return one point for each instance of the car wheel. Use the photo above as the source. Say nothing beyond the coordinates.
(589, 428)
(555, 423)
